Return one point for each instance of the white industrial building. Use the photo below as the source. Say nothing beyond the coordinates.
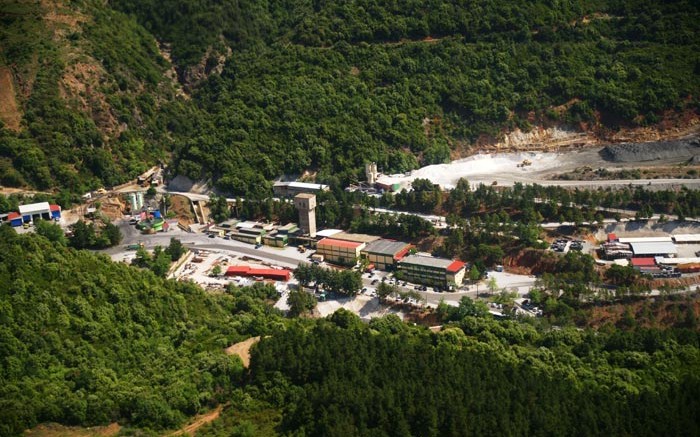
(39, 211)
(291, 189)
(653, 249)
(686, 238)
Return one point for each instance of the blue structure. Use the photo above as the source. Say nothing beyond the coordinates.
(156, 214)
(15, 219)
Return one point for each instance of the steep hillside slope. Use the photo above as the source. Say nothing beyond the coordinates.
(85, 101)
(327, 86)
(289, 86)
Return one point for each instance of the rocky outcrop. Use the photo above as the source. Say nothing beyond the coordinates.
(541, 138)
(212, 62)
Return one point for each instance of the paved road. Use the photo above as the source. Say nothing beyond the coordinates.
(287, 257)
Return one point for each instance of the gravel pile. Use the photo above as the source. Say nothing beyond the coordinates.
(662, 150)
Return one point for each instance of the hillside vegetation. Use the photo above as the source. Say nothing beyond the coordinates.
(340, 377)
(84, 341)
(89, 85)
(288, 86)
(328, 86)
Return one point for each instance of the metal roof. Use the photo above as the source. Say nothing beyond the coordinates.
(686, 238)
(427, 261)
(456, 266)
(34, 208)
(328, 232)
(358, 238)
(385, 247)
(303, 185)
(339, 243)
(662, 260)
(643, 262)
(653, 248)
(645, 240)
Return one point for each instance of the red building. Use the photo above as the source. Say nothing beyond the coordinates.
(274, 274)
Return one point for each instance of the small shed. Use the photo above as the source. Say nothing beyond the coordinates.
(55, 211)
(15, 219)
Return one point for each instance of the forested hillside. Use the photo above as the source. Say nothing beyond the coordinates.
(84, 341)
(84, 101)
(327, 86)
(478, 377)
(286, 86)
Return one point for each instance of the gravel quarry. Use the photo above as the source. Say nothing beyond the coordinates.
(679, 150)
(539, 167)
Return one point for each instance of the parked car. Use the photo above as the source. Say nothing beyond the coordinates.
(258, 246)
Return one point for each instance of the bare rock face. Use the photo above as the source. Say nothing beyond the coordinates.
(212, 62)
(656, 150)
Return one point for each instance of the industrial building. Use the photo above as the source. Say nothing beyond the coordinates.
(39, 211)
(429, 270)
(291, 189)
(328, 233)
(686, 238)
(15, 219)
(645, 240)
(616, 250)
(248, 235)
(246, 271)
(645, 265)
(384, 254)
(339, 251)
(355, 238)
(280, 237)
(652, 249)
(32, 212)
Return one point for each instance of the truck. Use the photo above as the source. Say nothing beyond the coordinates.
(135, 246)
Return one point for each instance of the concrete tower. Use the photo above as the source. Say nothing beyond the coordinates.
(306, 204)
(371, 173)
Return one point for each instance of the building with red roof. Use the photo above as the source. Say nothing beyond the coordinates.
(341, 252)
(15, 219)
(643, 262)
(429, 270)
(246, 271)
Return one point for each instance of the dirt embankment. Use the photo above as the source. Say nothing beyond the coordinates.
(10, 114)
(199, 421)
(652, 151)
(56, 430)
(657, 313)
(242, 349)
(546, 135)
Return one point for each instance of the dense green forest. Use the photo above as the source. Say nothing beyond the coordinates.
(89, 84)
(84, 341)
(340, 377)
(325, 86)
